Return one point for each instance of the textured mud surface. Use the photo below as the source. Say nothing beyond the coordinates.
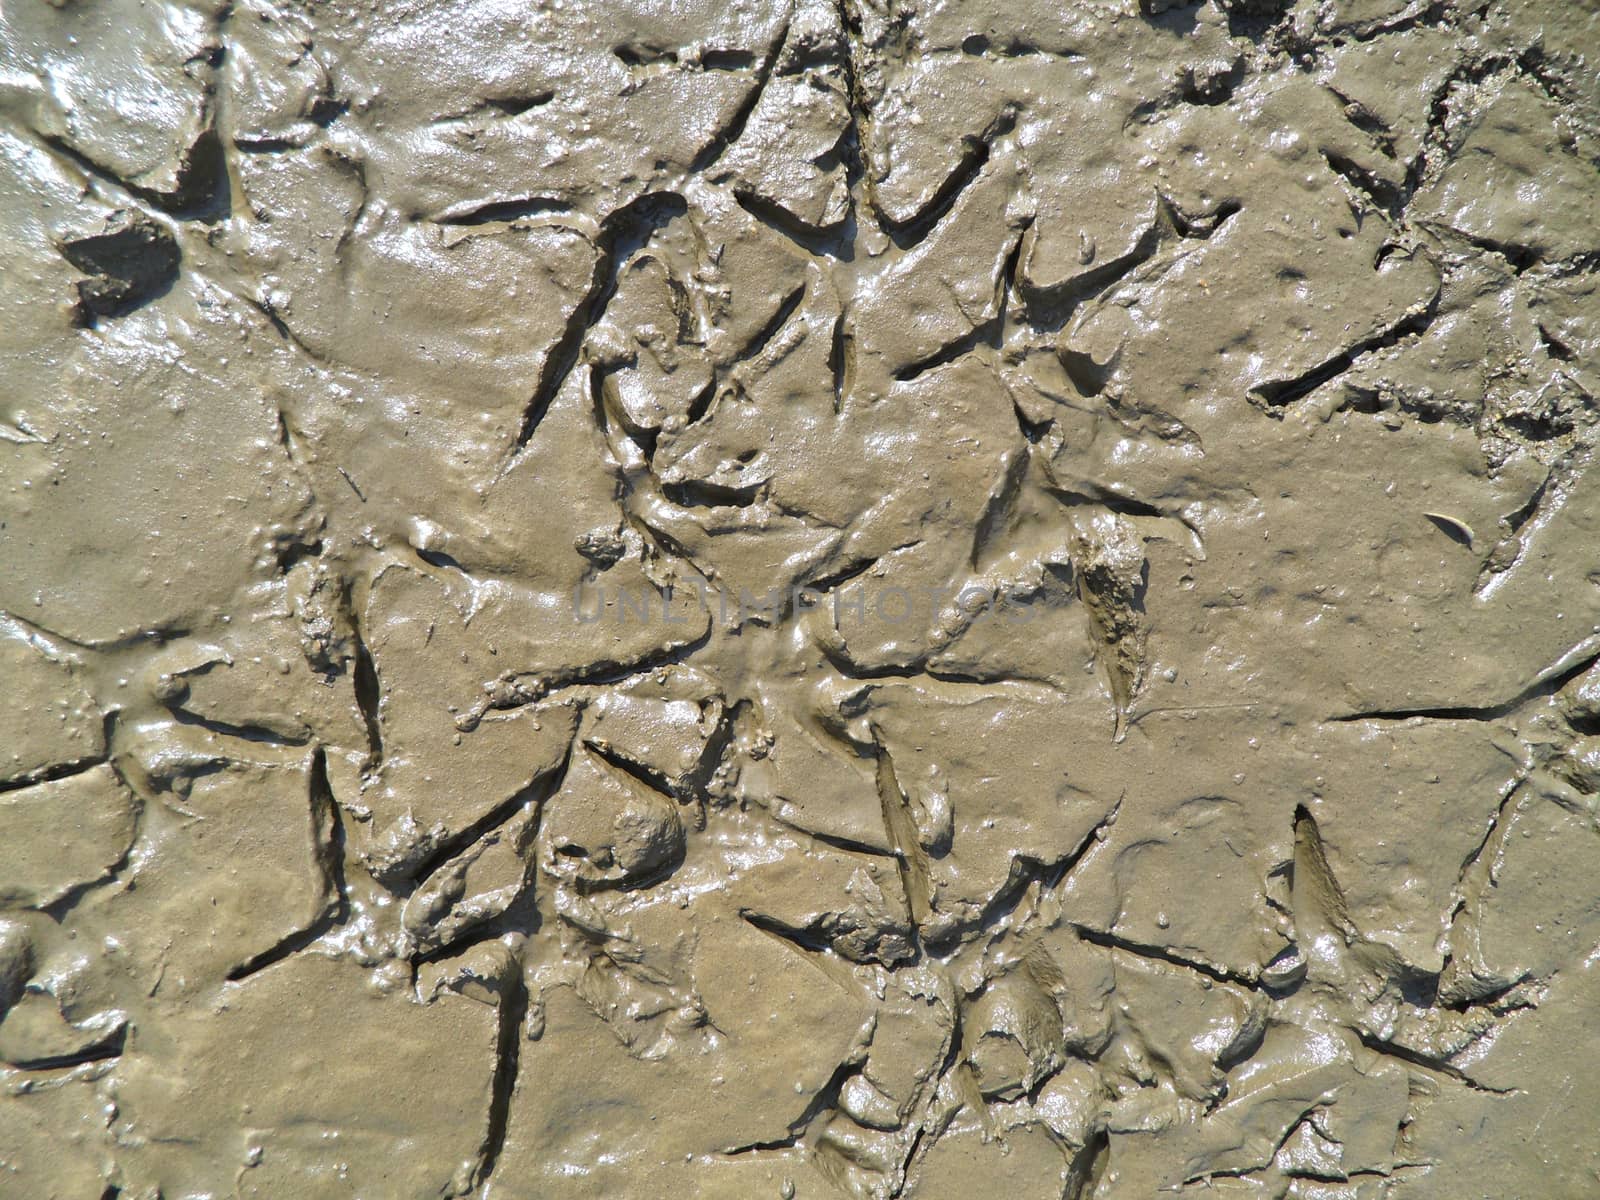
(780, 599)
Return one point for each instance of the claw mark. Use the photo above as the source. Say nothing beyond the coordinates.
(107, 1047)
(646, 775)
(841, 361)
(1429, 1062)
(832, 242)
(1051, 307)
(901, 827)
(532, 795)
(621, 233)
(53, 773)
(368, 692)
(718, 146)
(1313, 888)
(1111, 569)
(812, 945)
(975, 152)
(1210, 970)
(774, 325)
(1276, 394)
(990, 332)
(1051, 876)
(1549, 498)
(1548, 682)
(826, 1098)
(327, 834)
(1089, 1167)
(1002, 500)
(503, 211)
(514, 1002)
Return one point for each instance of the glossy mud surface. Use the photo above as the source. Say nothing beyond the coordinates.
(807, 599)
